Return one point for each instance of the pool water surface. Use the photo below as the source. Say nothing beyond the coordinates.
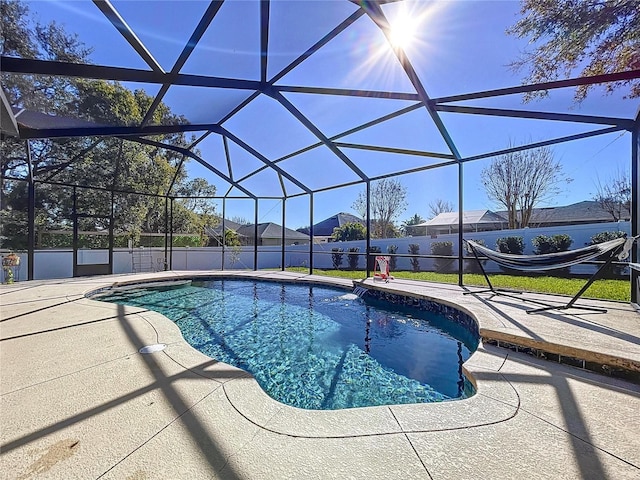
(317, 347)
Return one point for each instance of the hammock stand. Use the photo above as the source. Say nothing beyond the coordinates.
(618, 248)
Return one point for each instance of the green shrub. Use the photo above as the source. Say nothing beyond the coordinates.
(544, 244)
(472, 266)
(512, 245)
(392, 250)
(336, 257)
(185, 241)
(231, 239)
(353, 257)
(414, 249)
(444, 249)
(606, 236)
(349, 231)
(371, 258)
(468, 250)
(612, 271)
(562, 242)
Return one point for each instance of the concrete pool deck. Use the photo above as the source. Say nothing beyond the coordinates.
(78, 400)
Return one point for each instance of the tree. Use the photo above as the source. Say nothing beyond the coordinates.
(598, 36)
(349, 231)
(409, 223)
(387, 203)
(336, 257)
(353, 257)
(614, 196)
(438, 207)
(231, 238)
(414, 250)
(241, 220)
(110, 165)
(385, 229)
(519, 181)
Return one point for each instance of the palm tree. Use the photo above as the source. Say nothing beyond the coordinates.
(408, 224)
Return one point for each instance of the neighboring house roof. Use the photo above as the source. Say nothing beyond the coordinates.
(587, 211)
(325, 227)
(471, 217)
(217, 230)
(271, 230)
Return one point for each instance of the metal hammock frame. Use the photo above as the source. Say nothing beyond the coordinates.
(618, 248)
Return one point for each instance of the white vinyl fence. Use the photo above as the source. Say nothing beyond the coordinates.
(58, 263)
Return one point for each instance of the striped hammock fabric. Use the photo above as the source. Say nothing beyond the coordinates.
(550, 261)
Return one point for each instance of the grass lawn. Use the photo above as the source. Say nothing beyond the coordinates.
(603, 289)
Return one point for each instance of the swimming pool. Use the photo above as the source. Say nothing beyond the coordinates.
(317, 347)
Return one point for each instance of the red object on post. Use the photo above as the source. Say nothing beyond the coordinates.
(382, 264)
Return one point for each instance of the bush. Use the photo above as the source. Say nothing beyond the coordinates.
(606, 236)
(336, 257)
(542, 244)
(613, 271)
(472, 266)
(185, 241)
(444, 249)
(467, 250)
(371, 258)
(562, 241)
(392, 250)
(353, 258)
(414, 249)
(512, 245)
(349, 231)
(556, 243)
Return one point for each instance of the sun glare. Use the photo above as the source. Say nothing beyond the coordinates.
(403, 30)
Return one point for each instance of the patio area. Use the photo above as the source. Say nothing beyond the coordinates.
(80, 401)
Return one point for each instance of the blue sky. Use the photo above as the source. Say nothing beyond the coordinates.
(460, 47)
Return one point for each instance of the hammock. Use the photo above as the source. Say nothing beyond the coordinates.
(550, 261)
(618, 248)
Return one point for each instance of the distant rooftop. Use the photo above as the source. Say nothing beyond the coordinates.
(325, 227)
(271, 230)
(471, 217)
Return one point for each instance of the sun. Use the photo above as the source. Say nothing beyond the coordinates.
(403, 30)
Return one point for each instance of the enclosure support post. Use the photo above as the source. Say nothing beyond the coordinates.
(74, 214)
(284, 236)
(255, 235)
(31, 215)
(171, 233)
(111, 242)
(224, 238)
(311, 242)
(368, 242)
(460, 225)
(166, 232)
(635, 201)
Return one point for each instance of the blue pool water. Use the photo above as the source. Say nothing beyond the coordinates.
(317, 347)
